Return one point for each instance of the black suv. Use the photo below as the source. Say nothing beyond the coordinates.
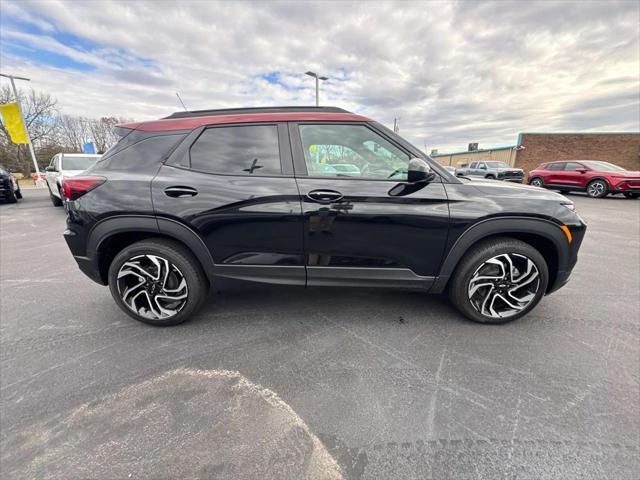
(306, 196)
(9, 188)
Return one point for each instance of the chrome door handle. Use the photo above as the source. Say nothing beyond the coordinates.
(177, 192)
(324, 196)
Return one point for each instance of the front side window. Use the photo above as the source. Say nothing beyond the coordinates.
(556, 166)
(573, 166)
(351, 151)
(240, 150)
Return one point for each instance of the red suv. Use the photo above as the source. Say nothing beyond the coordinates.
(595, 177)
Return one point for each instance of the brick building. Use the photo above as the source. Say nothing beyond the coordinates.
(620, 148)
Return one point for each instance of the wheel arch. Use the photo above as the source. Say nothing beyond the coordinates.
(604, 179)
(111, 235)
(544, 235)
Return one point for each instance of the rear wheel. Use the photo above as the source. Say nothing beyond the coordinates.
(632, 195)
(499, 280)
(158, 282)
(490, 177)
(597, 189)
(536, 182)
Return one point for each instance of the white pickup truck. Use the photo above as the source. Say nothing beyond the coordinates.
(65, 165)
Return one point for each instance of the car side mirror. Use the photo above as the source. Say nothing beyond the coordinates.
(419, 172)
(50, 168)
(418, 176)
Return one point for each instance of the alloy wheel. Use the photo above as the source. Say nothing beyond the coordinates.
(152, 287)
(504, 285)
(596, 189)
(536, 182)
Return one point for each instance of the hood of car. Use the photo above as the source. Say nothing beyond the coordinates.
(508, 189)
(508, 170)
(623, 174)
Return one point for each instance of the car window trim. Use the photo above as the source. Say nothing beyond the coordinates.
(300, 165)
(181, 156)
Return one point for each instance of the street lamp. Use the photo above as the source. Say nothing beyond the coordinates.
(318, 78)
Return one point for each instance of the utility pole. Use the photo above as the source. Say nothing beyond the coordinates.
(318, 78)
(12, 78)
(396, 125)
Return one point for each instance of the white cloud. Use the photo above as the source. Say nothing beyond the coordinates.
(452, 72)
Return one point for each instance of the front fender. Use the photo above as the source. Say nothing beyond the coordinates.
(502, 226)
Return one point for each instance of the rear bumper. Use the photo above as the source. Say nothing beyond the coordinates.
(89, 267)
(88, 264)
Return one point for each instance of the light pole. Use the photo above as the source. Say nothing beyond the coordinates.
(11, 78)
(318, 78)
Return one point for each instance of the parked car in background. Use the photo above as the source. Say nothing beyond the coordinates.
(182, 203)
(9, 188)
(595, 177)
(450, 169)
(493, 170)
(64, 165)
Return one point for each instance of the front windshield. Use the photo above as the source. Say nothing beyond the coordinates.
(77, 163)
(497, 165)
(604, 166)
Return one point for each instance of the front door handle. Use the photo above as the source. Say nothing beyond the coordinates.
(324, 196)
(177, 192)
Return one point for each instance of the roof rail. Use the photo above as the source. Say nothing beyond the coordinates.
(240, 111)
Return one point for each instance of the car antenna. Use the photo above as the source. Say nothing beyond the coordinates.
(185, 108)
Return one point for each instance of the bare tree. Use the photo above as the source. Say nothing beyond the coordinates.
(73, 132)
(103, 133)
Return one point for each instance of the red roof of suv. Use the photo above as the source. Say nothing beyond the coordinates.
(195, 119)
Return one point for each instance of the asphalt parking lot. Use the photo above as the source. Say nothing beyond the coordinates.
(273, 382)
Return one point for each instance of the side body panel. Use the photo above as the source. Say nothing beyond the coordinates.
(251, 225)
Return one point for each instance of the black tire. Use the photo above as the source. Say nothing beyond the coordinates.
(476, 258)
(632, 195)
(536, 182)
(19, 194)
(57, 202)
(597, 188)
(490, 177)
(197, 286)
(11, 196)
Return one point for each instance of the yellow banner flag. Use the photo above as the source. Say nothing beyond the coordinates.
(13, 122)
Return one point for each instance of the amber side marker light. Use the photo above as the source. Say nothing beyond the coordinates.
(567, 232)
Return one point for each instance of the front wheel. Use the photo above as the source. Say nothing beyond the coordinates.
(499, 280)
(597, 189)
(158, 282)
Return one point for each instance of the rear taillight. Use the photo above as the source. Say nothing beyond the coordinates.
(74, 187)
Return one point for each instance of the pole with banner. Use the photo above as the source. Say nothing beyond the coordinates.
(27, 139)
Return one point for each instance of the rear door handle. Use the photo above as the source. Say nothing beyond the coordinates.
(177, 192)
(324, 196)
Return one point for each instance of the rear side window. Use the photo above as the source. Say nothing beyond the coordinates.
(241, 150)
(149, 151)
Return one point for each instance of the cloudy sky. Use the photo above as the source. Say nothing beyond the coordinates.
(453, 72)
